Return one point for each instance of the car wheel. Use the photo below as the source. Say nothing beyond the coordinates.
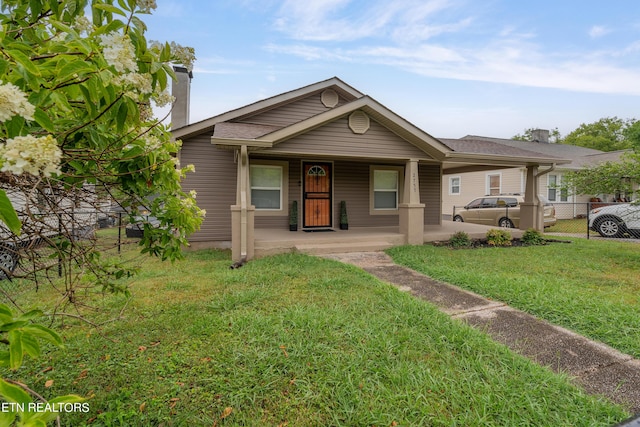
(505, 223)
(610, 227)
(458, 218)
(8, 262)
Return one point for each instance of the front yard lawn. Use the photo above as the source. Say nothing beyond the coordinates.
(300, 341)
(590, 287)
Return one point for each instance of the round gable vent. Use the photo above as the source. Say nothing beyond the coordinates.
(329, 98)
(359, 122)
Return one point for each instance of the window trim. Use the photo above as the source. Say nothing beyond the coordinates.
(488, 184)
(399, 190)
(284, 187)
(559, 193)
(451, 192)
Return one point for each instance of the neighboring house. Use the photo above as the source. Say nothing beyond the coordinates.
(319, 145)
(460, 188)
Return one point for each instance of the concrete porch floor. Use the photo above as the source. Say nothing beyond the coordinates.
(356, 239)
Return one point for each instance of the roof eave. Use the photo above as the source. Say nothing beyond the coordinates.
(500, 160)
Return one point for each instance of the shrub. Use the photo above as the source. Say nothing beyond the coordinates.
(532, 237)
(498, 237)
(460, 240)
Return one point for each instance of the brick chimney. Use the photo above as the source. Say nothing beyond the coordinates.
(181, 91)
(540, 135)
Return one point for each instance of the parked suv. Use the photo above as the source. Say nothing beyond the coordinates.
(501, 211)
(616, 220)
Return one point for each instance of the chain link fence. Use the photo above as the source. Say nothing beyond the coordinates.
(572, 219)
(620, 220)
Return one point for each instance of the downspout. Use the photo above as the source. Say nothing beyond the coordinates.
(551, 169)
(244, 166)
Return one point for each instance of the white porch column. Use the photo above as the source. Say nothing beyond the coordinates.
(530, 212)
(411, 210)
(242, 213)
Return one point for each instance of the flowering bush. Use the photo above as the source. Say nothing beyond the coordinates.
(77, 84)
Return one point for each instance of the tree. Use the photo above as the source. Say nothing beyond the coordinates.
(607, 134)
(75, 108)
(606, 178)
(77, 83)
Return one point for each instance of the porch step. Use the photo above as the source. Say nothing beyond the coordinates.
(334, 248)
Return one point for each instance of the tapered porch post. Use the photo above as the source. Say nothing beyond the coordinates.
(242, 213)
(411, 210)
(529, 209)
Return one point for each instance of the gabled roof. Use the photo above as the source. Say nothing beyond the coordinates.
(335, 83)
(234, 128)
(548, 149)
(374, 109)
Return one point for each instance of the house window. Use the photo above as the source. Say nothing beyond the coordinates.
(554, 191)
(385, 189)
(267, 187)
(494, 184)
(454, 186)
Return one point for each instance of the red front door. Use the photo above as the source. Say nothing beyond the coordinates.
(317, 195)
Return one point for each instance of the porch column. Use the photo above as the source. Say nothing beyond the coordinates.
(529, 209)
(411, 210)
(242, 213)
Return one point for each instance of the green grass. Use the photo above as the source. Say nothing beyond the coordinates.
(299, 341)
(577, 225)
(590, 287)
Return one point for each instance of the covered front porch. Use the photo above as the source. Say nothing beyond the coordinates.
(357, 239)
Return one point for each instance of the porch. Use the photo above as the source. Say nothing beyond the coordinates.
(356, 239)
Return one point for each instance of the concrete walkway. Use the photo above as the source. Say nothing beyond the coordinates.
(596, 367)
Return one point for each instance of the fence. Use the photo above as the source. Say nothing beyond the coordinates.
(43, 250)
(572, 219)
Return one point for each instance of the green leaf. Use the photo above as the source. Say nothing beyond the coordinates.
(7, 418)
(12, 393)
(8, 214)
(30, 346)
(43, 120)
(30, 315)
(5, 312)
(4, 64)
(121, 118)
(25, 61)
(109, 8)
(36, 8)
(16, 353)
(4, 359)
(12, 326)
(44, 333)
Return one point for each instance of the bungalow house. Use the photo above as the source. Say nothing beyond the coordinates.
(460, 188)
(317, 146)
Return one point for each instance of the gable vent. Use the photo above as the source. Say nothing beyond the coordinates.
(359, 122)
(329, 98)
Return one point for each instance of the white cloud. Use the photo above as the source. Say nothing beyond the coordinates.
(423, 37)
(598, 31)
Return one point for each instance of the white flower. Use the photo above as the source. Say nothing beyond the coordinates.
(28, 154)
(184, 55)
(82, 24)
(119, 52)
(163, 99)
(13, 102)
(140, 82)
(147, 5)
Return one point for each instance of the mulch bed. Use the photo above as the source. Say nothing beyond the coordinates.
(483, 243)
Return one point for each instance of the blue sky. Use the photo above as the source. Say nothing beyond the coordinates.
(451, 67)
